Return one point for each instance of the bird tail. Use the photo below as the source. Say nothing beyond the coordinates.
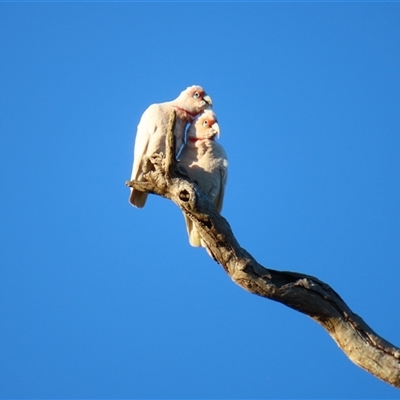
(194, 236)
(138, 198)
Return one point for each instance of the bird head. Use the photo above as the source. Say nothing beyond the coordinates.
(204, 126)
(194, 100)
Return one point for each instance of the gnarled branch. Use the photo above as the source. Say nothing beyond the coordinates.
(303, 293)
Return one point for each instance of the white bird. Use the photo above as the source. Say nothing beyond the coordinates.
(206, 163)
(152, 130)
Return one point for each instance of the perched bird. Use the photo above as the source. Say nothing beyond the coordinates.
(206, 163)
(152, 130)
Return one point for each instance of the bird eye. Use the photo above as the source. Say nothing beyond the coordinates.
(205, 123)
(196, 95)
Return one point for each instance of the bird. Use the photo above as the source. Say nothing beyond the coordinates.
(152, 130)
(206, 163)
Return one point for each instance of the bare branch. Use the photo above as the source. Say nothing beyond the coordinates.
(300, 292)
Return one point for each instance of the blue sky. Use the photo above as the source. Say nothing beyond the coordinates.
(101, 300)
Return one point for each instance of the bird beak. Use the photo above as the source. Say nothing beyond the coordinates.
(215, 127)
(207, 99)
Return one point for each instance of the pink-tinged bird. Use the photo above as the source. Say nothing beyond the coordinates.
(152, 130)
(206, 163)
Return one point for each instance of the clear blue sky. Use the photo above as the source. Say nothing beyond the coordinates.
(101, 300)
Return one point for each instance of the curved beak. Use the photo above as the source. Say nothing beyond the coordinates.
(215, 127)
(207, 99)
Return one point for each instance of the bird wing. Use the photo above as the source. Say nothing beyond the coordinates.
(223, 178)
(146, 128)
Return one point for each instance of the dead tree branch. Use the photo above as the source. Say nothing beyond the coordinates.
(300, 292)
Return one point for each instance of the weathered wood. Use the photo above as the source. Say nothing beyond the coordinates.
(300, 292)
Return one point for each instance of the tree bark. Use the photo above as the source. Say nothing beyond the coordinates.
(300, 292)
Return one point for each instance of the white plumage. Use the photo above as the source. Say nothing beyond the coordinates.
(152, 130)
(206, 163)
